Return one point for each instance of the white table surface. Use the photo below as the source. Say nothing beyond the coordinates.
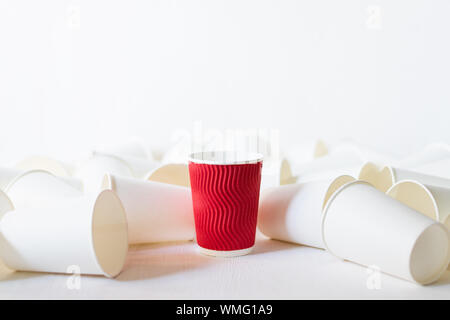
(275, 270)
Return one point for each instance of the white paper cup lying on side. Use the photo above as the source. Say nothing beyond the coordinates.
(276, 173)
(39, 188)
(432, 201)
(364, 152)
(93, 170)
(347, 162)
(384, 178)
(140, 167)
(6, 204)
(7, 175)
(365, 226)
(134, 147)
(156, 212)
(171, 173)
(83, 235)
(440, 168)
(178, 152)
(293, 213)
(56, 167)
(306, 151)
(430, 154)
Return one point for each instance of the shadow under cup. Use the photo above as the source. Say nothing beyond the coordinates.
(225, 193)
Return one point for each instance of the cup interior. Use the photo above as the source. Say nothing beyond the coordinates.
(380, 178)
(172, 173)
(416, 196)
(225, 157)
(334, 186)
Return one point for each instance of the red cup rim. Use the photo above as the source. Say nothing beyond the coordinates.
(225, 157)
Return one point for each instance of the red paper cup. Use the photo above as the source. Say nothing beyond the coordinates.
(225, 195)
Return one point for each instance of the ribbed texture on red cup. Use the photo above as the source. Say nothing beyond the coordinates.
(225, 201)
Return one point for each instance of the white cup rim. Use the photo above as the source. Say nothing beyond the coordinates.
(225, 157)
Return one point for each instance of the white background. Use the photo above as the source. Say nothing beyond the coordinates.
(78, 73)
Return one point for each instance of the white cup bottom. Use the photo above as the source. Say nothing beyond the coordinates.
(224, 254)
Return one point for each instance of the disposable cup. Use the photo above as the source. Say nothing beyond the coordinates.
(139, 167)
(364, 225)
(293, 213)
(157, 152)
(439, 168)
(179, 151)
(306, 151)
(38, 188)
(135, 148)
(156, 212)
(432, 201)
(56, 167)
(92, 171)
(364, 152)
(225, 192)
(430, 154)
(5, 204)
(7, 175)
(171, 173)
(276, 173)
(84, 235)
(347, 162)
(384, 178)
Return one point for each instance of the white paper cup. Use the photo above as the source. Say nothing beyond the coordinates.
(80, 235)
(178, 152)
(171, 173)
(347, 162)
(38, 188)
(7, 175)
(384, 178)
(365, 226)
(140, 167)
(306, 151)
(432, 201)
(364, 152)
(276, 173)
(135, 147)
(293, 213)
(156, 212)
(55, 167)
(92, 171)
(6, 204)
(430, 154)
(440, 168)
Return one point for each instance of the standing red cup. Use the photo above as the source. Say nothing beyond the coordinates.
(225, 194)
